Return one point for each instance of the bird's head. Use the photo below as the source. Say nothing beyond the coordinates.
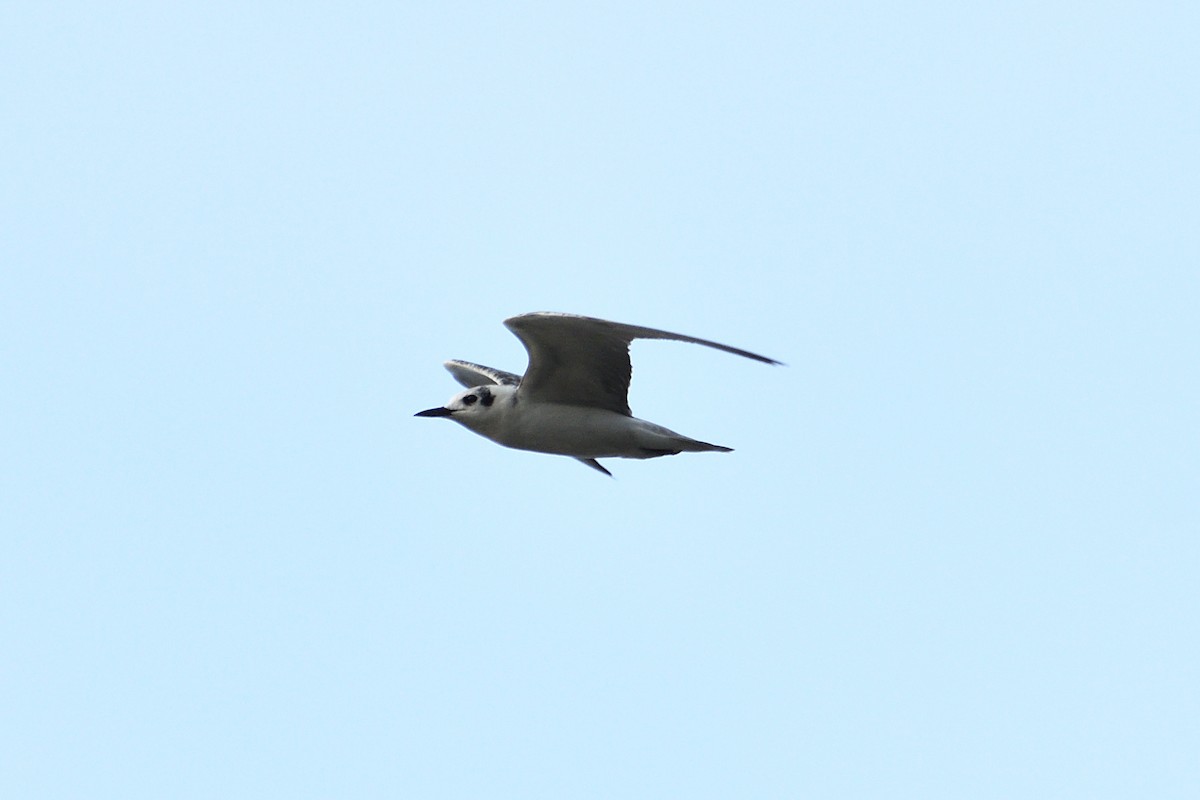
(477, 408)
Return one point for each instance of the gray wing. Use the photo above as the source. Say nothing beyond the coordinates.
(583, 361)
(472, 375)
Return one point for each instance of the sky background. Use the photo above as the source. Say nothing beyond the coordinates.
(955, 553)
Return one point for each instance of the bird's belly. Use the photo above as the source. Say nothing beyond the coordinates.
(573, 431)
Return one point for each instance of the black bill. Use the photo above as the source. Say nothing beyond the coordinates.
(434, 412)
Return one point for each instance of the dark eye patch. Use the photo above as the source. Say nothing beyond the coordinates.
(469, 400)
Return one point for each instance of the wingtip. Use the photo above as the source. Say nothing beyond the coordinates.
(594, 464)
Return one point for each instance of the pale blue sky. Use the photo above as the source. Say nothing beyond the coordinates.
(953, 556)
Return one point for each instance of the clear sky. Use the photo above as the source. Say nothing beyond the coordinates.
(954, 554)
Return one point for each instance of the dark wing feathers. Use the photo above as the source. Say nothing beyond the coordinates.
(584, 361)
(472, 375)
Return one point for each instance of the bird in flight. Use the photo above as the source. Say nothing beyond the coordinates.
(573, 399)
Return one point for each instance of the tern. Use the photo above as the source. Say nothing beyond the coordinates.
(573, 399)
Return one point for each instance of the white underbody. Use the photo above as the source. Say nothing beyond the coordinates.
(580, 432)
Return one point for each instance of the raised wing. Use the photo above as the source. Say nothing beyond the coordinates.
(583, 361)
(472, 375)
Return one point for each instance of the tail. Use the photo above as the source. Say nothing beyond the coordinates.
(655, 440)
(694, 446)
(682, 444)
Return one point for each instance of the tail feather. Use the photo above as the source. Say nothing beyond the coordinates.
(704, 447)
(683, 445)
(655, 440)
